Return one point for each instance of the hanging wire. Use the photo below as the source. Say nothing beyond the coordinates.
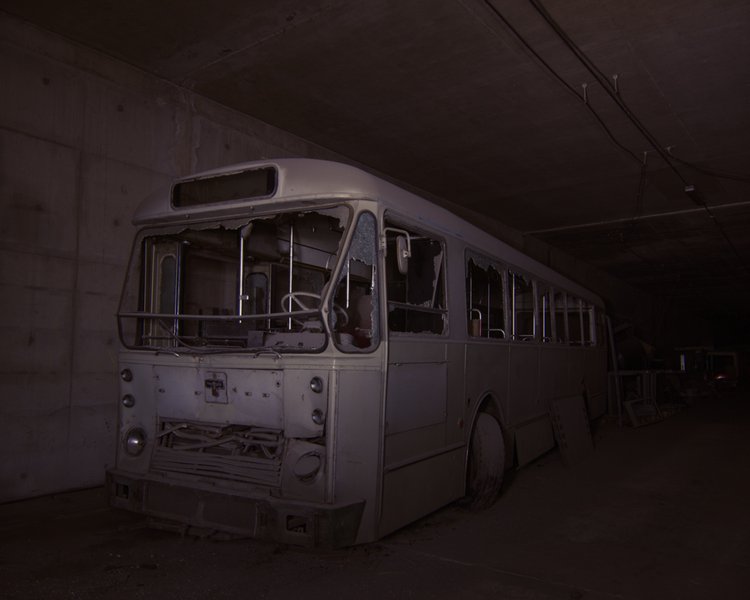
(559, 78)
(707, 171)
(641, 191)
(613, 92)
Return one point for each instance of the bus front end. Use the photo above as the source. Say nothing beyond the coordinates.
(240, 337)
(218, 446)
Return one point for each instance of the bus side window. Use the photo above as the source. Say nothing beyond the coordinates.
(561, 317)
(575, 323)
(484, 298)
(545, 310)
(601, 328)
(522, 305)
(354, 313)
(589, 324)
(416, 298)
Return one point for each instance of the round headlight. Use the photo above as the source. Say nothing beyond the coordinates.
(128, 401)
(135, 441)
(316, 384)
(318, 417)
(126, 374)
(308, 466)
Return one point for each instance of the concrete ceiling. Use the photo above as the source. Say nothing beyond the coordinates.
(488, 106)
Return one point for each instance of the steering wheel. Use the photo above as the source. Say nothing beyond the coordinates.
(295, 296)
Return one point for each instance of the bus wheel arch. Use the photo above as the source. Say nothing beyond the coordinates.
(485, 464)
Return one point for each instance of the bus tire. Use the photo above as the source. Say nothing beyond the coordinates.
(484, 475)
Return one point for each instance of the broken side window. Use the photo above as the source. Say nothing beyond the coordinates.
(484, 298)
(547, 316)
(588, 323)
(415, 275)
(561, 317)
(354, 313)
(521, 293)
(575, 321)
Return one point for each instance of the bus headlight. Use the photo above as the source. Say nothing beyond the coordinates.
(318, 417)
(308, 466)
(135, 441)
(316, 384)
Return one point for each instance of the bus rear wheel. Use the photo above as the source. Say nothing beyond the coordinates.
(484, 475)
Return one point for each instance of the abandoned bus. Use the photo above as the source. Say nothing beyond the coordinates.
(314, 356)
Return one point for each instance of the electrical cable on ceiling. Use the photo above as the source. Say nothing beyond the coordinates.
(559, 78)
(614, 93)
(642, 180)
(643, 170)
(710, 172)
(641, 191)
(608, 88)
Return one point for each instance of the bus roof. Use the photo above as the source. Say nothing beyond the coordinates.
(303, 179)
(296, 179)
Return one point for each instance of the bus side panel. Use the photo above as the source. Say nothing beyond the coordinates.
(576, 379)
(487, 375)
(534, 436)
(422, 472)
(529, 408)
(417, 396)
(417, 392)
(457, 401)
(555, 381)
(523, 388)
(420, 488)
(358, 447)
(596, 381)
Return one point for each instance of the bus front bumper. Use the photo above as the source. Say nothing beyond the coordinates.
(265, 518)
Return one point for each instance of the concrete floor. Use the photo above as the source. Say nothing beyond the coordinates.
(656, 512)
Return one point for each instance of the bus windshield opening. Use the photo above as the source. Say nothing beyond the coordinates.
(255, 284)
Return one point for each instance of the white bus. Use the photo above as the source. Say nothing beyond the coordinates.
(314, 356)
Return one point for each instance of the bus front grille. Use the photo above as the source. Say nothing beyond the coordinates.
(226, 452)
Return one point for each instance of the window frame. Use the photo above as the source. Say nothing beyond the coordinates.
(394, 221)
(512, 274)
(501, 268)
(543, 288)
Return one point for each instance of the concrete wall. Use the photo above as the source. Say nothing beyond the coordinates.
(83, 139)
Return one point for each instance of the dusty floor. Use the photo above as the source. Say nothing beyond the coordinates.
(657, 512)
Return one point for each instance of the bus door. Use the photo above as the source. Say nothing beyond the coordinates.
(418, 471)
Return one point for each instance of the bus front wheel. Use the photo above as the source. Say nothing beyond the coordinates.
(486, 463)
